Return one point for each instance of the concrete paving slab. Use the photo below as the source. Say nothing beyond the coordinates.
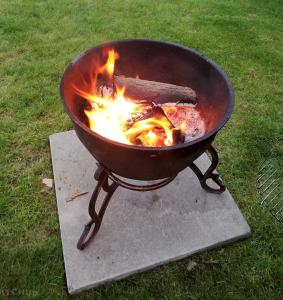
(140, 230)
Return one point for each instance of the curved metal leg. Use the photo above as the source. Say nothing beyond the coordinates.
(92, 227)
(209, 174)
(102, 175)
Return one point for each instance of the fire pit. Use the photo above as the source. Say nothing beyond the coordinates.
(150, 79)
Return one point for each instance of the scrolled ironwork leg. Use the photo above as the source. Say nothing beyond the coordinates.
(92, 227)
(209, 174)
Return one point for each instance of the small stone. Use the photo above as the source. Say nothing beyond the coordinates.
(192, 264)
(212, 262)
(48, 182)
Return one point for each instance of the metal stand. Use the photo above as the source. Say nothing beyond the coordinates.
(209, 174)
(102, 175)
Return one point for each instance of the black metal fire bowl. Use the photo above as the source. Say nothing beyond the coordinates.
(157, 61)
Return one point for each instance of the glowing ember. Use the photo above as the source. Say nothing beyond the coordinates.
(155, 131)
(109, 113)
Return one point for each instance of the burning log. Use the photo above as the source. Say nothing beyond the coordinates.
(146, 138)
(153, 91)
(178, 136)
(188, 119)
(154, 129)
(149, 110)
(184, 121)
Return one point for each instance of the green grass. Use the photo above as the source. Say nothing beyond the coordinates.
(38, 39)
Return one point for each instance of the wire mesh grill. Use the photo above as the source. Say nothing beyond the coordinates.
(269, 185)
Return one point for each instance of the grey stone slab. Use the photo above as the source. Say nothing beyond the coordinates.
(140, 230)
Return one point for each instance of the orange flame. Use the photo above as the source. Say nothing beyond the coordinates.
(148, 126)
(109, 114)
(110, 64)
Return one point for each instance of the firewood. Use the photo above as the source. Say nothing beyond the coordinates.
(148, 112)
(188, 119)
(153, 91)
(178, 136)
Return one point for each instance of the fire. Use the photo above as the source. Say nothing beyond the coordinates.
(108, 115)
(110, 64)
(110, 112)
(150, 132)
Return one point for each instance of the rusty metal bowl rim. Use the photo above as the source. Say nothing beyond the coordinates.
(223, 121)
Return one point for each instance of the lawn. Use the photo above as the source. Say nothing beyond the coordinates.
(38, 39)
